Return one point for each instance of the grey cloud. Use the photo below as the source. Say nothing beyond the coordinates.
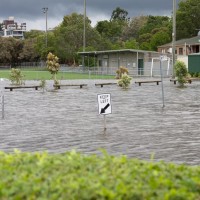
(32, 9)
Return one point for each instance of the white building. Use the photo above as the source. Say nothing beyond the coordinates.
(10, 28)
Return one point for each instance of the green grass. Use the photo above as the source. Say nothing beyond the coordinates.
(38, 75)
(75, 176)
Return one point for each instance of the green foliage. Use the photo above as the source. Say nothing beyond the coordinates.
(131, 44)
(154, 22)
(74, 176)
(29, 52)
(119, 14)
(125, 81)
(16, 76)
(53, 66)
(120, 71)
(43, 84)
(131, 29)
(187, 13)
(181, 72)
(159, 37)
(10, 50)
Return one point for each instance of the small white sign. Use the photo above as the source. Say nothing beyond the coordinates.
(104, 104)
(163, 58)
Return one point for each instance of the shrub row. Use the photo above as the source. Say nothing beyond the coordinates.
(74, 176)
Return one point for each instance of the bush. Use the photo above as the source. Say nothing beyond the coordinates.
(16, 76)
(181, 72)
(74, 176)
(120, 71)
(125, 81)
(43, 84)
(53, 66)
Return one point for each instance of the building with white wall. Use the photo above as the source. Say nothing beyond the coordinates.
(10, 28)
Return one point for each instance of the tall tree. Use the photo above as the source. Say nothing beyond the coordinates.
(29, 52)
(111, 30)
(69, 37)
(131, 29)
(155, 22)
(10, 50)
(119, 14)
(187, 19)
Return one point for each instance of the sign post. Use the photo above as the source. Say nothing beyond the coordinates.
(162, 58)
(2, 96)
(2, 105)
(104, 103)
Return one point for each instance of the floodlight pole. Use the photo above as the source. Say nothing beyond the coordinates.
(84, 31)
(174, 37)
(45, 12)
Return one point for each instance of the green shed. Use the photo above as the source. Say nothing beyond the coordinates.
(194, 62)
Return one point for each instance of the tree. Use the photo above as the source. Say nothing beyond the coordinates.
(181, 72)
(69, 38)
(125, 81)
(119, 14)
(16, 76)
(187, 19)
(132, 28)
(122, 70)
(156, 31)
(131, 44)
(110, 30)
(32, 34)
(10, 50)
(159, 36)
(53, 66)
(29, 52)
(155, 22)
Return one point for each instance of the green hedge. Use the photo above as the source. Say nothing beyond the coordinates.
(74, 176)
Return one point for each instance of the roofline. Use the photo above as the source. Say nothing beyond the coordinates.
(115, 51)
(185, 40)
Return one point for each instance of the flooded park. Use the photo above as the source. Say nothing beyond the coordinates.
(62, 120)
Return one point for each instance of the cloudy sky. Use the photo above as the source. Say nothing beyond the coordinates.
(30, 11)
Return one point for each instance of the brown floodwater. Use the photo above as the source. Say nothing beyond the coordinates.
(66, 119)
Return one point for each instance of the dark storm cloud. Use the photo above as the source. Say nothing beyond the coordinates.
(31, 10)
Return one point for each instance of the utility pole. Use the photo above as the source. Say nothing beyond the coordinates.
(45, 12)
(174, 37)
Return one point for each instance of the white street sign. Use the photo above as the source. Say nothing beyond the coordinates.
(104, 104)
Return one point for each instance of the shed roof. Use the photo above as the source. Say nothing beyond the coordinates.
(90, 53)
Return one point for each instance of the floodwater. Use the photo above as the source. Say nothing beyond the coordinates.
(139, 126)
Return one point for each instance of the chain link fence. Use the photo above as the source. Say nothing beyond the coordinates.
(150, 69)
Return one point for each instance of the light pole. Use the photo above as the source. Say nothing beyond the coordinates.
(45, 12)
(84, 27)
(174, 37)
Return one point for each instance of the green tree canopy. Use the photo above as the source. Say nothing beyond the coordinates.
(119, 14)
(10, 50)
(29, 52)
(132, 28)
(187, 19)
(69, 37)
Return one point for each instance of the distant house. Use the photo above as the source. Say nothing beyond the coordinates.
(183, 48)
(10, 28)
(138, 62)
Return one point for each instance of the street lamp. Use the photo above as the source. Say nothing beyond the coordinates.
(174, 37)
(45, 12)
